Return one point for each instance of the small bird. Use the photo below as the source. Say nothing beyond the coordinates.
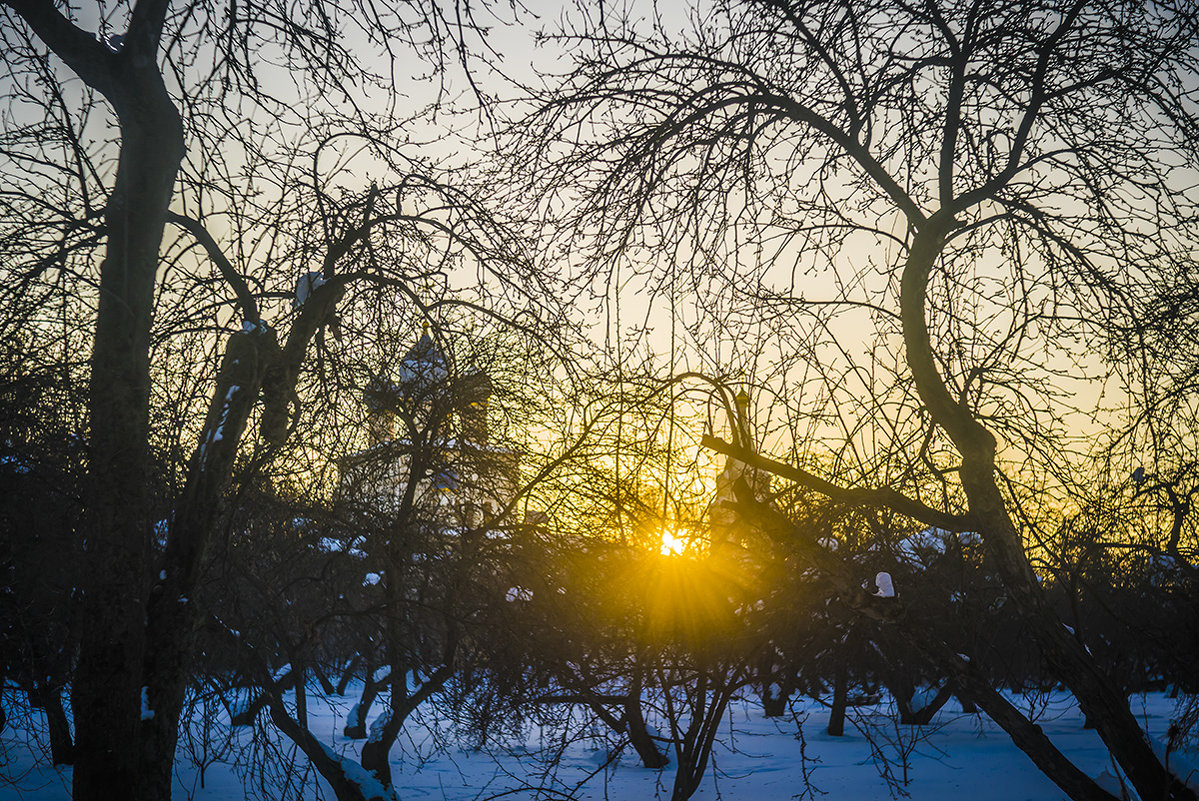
(1138, 476)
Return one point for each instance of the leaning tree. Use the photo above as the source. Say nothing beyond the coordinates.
(993, 188)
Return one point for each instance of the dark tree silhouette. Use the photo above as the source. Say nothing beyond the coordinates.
(985, 182)
(171, 114)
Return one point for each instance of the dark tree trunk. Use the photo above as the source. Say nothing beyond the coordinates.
(774, 704)
(49, 700)
(355, 727)
(1030, 739)
(637, 730)
(323, 680)
(1099, 698)
(347, 675)
(376, 749)
(107, 688)
(708, 700)
(170, 615)
(836, 717)
(333, 768)
(301, 694)
(924, 715)
(902, 690)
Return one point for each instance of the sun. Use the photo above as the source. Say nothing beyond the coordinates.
(672, 544)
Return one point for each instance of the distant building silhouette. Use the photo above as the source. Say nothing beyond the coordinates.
(430, 453)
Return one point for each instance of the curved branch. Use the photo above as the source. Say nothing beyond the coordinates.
(244, 298)
(881, 497)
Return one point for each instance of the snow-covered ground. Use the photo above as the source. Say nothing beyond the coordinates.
(759, 759)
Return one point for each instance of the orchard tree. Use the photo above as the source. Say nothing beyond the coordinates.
(993, 187)
(124, 119)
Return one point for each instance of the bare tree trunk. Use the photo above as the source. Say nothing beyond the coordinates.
(902, 690)
(107, 689)
(334, 769)
(347, 675)
(355, 727)
(1030, 739)
(969, 707)
(774, 699)
(1099, 698)
(708, 701)
(636, 728)
(170, 615)
(49, 699)
(326, 687)
(377, 748)
(836, 717)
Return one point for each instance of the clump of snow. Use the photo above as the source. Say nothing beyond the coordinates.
(161, 529)
(923, 697)
(377, 726)
(370, 579)
(518, 594)
(922, 549)
(886, 588)
(19, 466)
(354, 718)
(306, 284)
(248, 327)
(218, 433)
(372, 789)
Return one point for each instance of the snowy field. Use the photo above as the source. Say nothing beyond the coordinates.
(758, 759)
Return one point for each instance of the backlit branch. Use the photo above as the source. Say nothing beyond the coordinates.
(881, 497)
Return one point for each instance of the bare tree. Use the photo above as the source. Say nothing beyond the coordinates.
(148, 102)
(986, 185)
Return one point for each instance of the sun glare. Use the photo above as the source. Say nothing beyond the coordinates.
(672, 543)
